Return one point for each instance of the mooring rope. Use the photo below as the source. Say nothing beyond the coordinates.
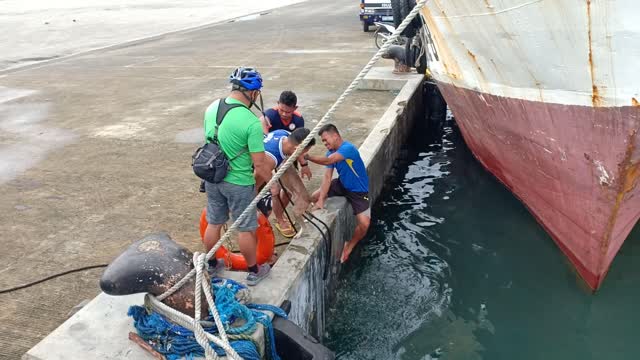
(200, 260)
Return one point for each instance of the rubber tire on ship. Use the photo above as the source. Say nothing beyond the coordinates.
(397, 12)
(422, 65)
(416, 22)
(405, 7)
(365, 26)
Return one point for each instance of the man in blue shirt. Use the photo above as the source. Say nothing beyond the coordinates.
(352, 181)
(278, 146)
(283, 116)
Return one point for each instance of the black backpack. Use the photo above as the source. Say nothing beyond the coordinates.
(209, 162)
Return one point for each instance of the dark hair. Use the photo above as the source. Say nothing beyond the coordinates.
(288, 98)
(298, 135)
(328, 128)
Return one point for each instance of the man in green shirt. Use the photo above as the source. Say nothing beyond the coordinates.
(241, 139)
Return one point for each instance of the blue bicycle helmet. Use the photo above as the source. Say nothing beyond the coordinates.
(246, 77)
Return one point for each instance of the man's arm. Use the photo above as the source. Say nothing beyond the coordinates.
(324, 188)
(266, 124)
(255, 143)
(323, 160)
(261, 169)
(304, 167)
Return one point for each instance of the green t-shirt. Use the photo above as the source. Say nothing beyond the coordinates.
(240, 129)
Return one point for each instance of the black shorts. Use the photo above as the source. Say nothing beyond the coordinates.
(359, 200)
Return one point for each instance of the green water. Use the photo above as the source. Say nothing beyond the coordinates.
(454, 267)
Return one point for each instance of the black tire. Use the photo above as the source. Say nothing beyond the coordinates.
(365, 26)
(422, 64)
(408, 53)
(416, 22)
(396, 9)
(406, 7)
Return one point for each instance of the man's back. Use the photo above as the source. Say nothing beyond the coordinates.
(240, 131)
(351, 171)
(273, 145)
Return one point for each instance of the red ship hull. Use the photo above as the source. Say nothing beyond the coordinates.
(575, 167)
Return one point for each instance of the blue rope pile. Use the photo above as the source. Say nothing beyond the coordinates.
(175, 342)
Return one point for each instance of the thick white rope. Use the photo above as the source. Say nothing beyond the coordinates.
(199, 266)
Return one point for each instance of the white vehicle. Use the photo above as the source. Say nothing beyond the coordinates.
(372, 11)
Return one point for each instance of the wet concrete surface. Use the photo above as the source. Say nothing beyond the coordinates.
(95, 150)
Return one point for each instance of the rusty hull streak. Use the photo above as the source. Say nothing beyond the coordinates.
(596, 100)
(475, 60)
(627, 181)
(447, 59)
(481, 74)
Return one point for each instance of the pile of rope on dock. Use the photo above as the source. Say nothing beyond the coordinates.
(239, 318)
(173, 332)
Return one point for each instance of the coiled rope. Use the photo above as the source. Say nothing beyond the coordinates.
(200, 260)
(168, 331)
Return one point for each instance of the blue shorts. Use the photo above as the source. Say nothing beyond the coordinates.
(225, 197)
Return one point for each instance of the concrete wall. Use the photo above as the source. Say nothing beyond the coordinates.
(311, 294)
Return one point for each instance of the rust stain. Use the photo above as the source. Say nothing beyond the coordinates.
(596, 100)
(446, 56)
(634, 102)
(472, 56)
(627, 181)
(475, 61)
(482, 77)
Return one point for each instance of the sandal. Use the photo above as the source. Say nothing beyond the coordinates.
(287, 232)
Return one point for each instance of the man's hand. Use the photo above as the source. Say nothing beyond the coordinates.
(318, 204)
(320, 195)
(305, 171)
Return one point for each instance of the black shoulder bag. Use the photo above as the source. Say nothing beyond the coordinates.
(209, 162)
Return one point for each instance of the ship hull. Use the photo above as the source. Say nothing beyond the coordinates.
(544, 100)
(587, 203)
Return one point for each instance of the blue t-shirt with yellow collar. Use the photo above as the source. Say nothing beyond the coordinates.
(351, 171)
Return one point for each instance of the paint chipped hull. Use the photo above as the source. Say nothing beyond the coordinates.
(546, 96)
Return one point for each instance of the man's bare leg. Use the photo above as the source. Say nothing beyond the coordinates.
(296, 191)
(248, 244)
(278, 204)
(363, 222)
(211, 236)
